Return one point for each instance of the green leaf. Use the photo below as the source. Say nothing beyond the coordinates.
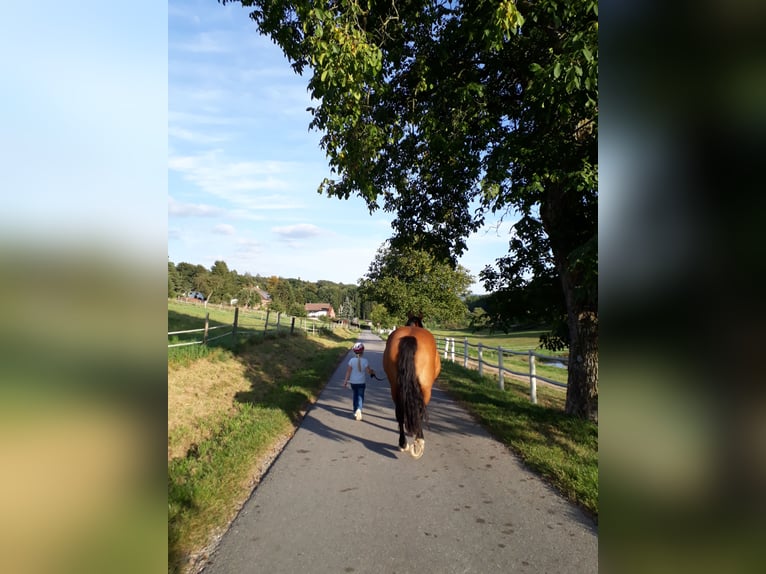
(588, 54)
(557, 70)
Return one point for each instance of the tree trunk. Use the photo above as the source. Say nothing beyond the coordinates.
(582, 381)
(558, 213)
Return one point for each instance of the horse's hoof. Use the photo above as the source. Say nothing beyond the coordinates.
(405, 448)
(418, 447)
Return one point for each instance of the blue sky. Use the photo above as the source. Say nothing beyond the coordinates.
(243, 169)
(84, 125)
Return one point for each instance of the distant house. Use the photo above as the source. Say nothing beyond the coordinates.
(319, 310)
(199, 296)
(261, 298)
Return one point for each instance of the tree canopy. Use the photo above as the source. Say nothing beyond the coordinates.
(409, 281)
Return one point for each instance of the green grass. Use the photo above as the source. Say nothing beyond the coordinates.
(562, 449)
(251, 324)
(204, 487)
(518, 340)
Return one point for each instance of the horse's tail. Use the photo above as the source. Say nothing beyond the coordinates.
(410, 394)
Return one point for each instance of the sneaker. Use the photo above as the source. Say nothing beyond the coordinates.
(358, 414)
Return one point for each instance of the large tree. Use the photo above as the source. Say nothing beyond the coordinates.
(443, 111)
(409, 281)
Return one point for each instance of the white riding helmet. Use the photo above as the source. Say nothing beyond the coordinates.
(358, 348)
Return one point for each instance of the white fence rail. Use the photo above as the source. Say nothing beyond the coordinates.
(448, 344)
(235, 329)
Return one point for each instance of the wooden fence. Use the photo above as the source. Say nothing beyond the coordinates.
(469, 358)
(283, 323)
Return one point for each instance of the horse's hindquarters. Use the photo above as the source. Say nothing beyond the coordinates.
(411, 362)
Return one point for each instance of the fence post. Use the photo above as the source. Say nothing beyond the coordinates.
(207, 323)
(446, 347)
(532, 378)
(292, 326)
(481, 356)
(452, 354)
(500, 368)
(465, 352)
(234, 326)
(266, 324)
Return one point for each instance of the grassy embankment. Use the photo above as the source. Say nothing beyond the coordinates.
(228, 410)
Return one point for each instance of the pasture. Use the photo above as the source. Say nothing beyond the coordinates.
(522, 341)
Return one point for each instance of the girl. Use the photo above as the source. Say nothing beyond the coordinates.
(357, 367)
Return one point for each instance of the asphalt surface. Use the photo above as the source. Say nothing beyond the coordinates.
(342, 498)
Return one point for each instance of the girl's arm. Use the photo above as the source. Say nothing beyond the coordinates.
(345, 378)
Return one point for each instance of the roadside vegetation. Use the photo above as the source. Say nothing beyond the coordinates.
(228, 410)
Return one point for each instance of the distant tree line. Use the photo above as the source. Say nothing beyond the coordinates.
(220, 285)
(398, 282)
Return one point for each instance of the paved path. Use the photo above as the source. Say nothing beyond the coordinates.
(341, 498)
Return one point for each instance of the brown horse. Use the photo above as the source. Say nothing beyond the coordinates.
(411, 361)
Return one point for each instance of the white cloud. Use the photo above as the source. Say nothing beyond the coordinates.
(248, 249)
(179, 209)
(299, 231)
(203, 43)
(195, 137)
(224, 229)
(181, 13)
(199, 119)
(206, 94)
(239, 182)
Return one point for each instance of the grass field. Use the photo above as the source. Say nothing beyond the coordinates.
(232, 407)
(183, 316)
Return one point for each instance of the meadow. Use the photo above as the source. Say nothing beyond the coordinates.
(518, 364)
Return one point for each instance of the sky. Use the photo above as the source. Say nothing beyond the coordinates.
(243, 167)
(83, 143)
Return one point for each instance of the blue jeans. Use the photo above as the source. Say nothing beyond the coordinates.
(358, 396)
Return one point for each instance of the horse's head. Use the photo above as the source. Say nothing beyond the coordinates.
(415, 320)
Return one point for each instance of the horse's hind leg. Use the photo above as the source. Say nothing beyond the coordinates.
(418, 446)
